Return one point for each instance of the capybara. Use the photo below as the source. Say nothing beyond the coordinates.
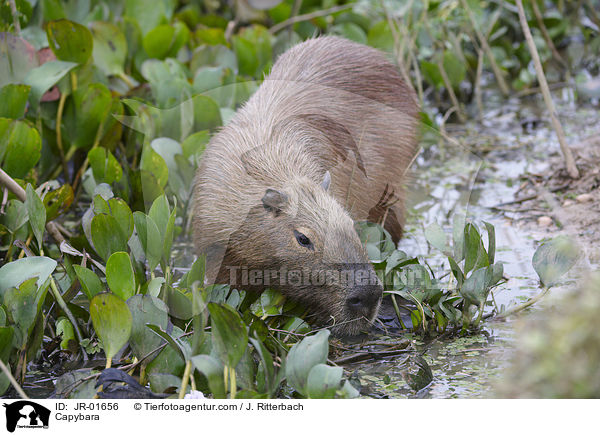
(323, 143)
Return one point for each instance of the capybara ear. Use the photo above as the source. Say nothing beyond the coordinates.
(274, 200)
(326, 181)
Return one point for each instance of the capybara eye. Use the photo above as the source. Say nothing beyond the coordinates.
(303, 240)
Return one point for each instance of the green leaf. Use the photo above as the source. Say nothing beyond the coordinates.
(179, 345)
(212, 369)
(475, 255)
(491, 241)
(58, 201)
(323, 381)
(455, 68)
(120, 276)
(70, 41)
(475, 288)
(90, 283)
(180, 305)
(207, 115)
(105, 167)
(14, 99)
(16, 272)
(36, 212)
(229, 333)
(18, 58)
(267, 364)
(64, 329)
(554, 258)
(149, 237)
(195, 144)
(153, 163)
(22, 305)
(350, 31)
(112, 321)
(157, 42)
(20, 147)
(436, 237)
(6, 340)
(44, 77)
(85, 112)
(381, 37)
(303, 357)
(107, 236)
(146, 309)
(432, 74)
(110, 47)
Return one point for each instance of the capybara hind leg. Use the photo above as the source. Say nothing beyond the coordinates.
(393, 223)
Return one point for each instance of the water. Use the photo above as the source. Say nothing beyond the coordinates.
(479, 170)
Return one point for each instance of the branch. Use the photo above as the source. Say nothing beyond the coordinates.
(14, 187)
(306, 17)
(570, 162)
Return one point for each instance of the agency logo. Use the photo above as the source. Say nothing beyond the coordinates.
(27, 415)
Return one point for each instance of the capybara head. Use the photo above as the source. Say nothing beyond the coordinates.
(305, 244)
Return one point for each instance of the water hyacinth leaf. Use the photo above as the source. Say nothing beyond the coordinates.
(180, 346)
(58, 201)
(157, 41)
(14, 99)
(18, 58)
(107, 236)
(2, 316)
(380, 36)
(110, 47)
(431, 73)
(64, 329)
(20, 147)
(44, 77)
(6, 340)
(22, 304)
(146, 309)
(475, 254)
(350, 31)
(112, 322)
(169, 359)
(122, 213)
(120, 276)
(70, 41)
(90, 283)
(229, 333)
(554, 258)
(149, 237)
(458, 237)
(458, 274)
(168, 149)
(195, 144)
(180, 305)
(212, 369)
(323, 381)
(303, 357)
(154, 164)
(36, 212)
(267, 364)
(475, 288)
(436, 237)
(154, 286)
(207, 115)
(105, 167)
(16, 272)
(85, 112)
(491, 231)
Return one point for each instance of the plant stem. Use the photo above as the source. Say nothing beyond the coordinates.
(450, 90)
(397, 310)
(185, 379)
(12, 380)
(569, 161)
(15, 15)
(546, 35)
(232, 382)
(524, 305)
(59, 144)
(488, 51)
(61, 303)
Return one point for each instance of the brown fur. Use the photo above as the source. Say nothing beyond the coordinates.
(328, 105)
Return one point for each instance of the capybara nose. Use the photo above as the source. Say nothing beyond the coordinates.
(364, 299)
